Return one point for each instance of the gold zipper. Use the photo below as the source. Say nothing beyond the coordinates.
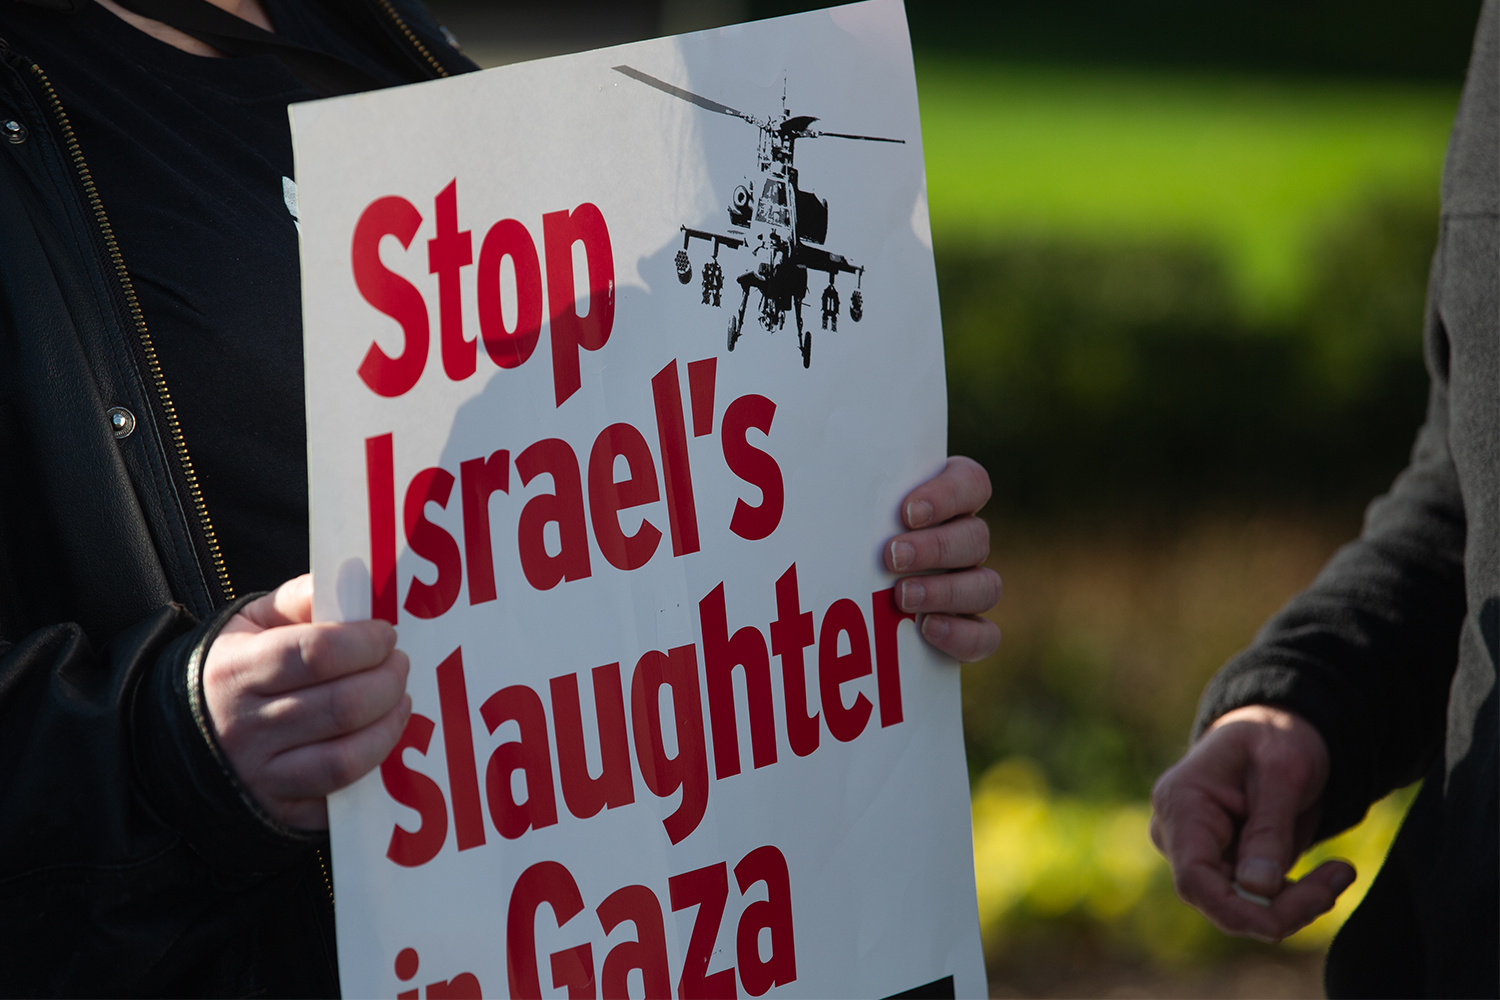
(327, 879)
(405, 29)
(153, 364)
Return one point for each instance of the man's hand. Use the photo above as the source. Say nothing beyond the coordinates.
(1237, 810)
(302, 710)
(946, 535)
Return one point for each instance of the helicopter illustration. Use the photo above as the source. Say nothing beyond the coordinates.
(783, 224)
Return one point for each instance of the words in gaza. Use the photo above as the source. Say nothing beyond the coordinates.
(761, 922)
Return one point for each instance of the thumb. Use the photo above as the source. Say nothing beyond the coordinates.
(288, 604)
(1266, 846)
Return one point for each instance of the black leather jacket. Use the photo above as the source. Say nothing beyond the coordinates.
(131, 859)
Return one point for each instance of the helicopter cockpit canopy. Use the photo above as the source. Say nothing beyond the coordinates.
(772, 208)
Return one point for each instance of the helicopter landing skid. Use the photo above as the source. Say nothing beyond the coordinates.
(737, 321)
(804, 337)
(772, 316)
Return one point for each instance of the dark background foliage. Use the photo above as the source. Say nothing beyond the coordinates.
(1123, 376)
(1384, 38)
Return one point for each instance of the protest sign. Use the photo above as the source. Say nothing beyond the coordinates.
(612, 414)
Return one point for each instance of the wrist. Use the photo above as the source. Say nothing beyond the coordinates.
(183, 773)
(1278, 735)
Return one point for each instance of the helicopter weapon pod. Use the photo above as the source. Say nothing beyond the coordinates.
(713, 283)
(830, 305)
(684, 267)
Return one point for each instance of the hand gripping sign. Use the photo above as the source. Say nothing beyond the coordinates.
(568, 431)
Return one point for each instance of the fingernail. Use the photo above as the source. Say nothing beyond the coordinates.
(1343, 880)
(1250, 897)
(936, 627)
(1259, 875)
(912, 593)
(918, 513)
(902, 555)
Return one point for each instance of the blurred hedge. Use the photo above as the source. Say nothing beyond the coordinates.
(1124, 377)
(1390, 38)
(1059, 875)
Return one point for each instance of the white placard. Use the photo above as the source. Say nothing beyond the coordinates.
(671, 734)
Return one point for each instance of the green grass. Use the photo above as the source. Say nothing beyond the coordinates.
(1252, 168)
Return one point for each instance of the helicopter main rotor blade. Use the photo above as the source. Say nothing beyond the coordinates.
(686, 95)
(846, 135)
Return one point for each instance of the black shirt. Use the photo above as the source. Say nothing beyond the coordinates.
(189, 154)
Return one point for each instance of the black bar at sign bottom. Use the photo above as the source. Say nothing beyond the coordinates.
(938, 989)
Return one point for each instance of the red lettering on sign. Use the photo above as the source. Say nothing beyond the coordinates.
(721, 655)
(509, 348)
(458, 742)
(672, 435)
(571, 332)
(888, 617)
(648, 952)
(843, 616)
(564, 508)
(607, 497)
(529, 755)
(380, 481)
(428, 600)
(791, 633)
(768, 865)
(463, 986)
(677, 670)
(447, 254)
(545, 882)
(707, 889)
(754, 466)
(416, 791)
(479, 479)
(701, 388)
(391, 294)
(586, 795)
(574, 968)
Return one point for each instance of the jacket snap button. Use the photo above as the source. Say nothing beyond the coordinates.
(121, 421)
(14, 131)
